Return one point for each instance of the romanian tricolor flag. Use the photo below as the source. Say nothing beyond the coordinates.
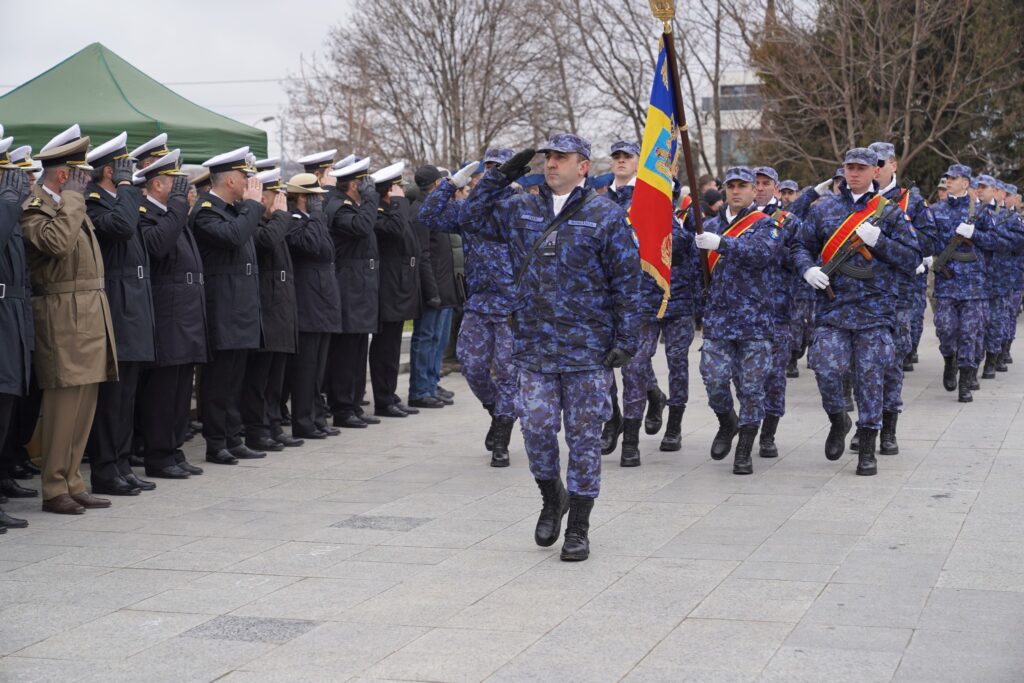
(651, 211)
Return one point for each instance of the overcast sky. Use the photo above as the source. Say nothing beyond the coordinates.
(177, 42)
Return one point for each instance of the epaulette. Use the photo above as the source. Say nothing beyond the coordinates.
(36, 202)
(94, 195)
(296, 215)
(380, 210)
(347, 202)
(206, 205)
(142, 209)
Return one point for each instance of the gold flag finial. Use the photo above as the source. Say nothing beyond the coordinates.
(663, 10)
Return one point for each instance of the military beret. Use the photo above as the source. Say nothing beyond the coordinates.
(627, 147)
(567, 143)
(741, 173)
(789, 185)
(861, 155)
(958, 171)
(767, 172)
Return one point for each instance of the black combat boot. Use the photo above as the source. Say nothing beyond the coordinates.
(989, 371)
(630, 443)
(866, 465)
(913, 356)
(612, 429)
(1001, 359)
(656, 400)
(577, 545)
(949, 373)
(502, 435)
(835, 442)
(848, 394)
(908, 364)
(791, 369)
(855, 443)
(965, 385)
(673, 439)
(728, 424)
(489, 439)
(887, 444)
(1007, 358)
(975, 384)
(766, 447)
(741, 461)
(556, 504)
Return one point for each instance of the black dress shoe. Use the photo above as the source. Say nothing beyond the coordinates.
(288, 441)
(364, 402)
(117, 486)
(8, 522)
(221, 457)
(390, 411)
(136, 461)
(403, 407)
(13, 489)
(141, 484)
(330, 431)
(243, 452)
(264, 443)
(441, 392)
(189, 467)
(32, 469)
(349, 421)
(169, 472)
(427, 402)
(312, 435)
(19, 471)
(368, 419)
(445, 400)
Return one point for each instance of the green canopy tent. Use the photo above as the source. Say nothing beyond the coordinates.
(105, 95)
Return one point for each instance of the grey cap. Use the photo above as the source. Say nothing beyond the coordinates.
(789, 185)
(883, 150)
(861, 155)
(768, 172)
(739, 173)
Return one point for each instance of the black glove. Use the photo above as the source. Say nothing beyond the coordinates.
(518, 165)
(434, 303)
(368, 191)
(616, 358)
(123, 169)
(77, 180)
(179, 187)
(314, 203)
(14, 187)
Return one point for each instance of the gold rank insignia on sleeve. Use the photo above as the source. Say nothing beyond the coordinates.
(206, 205)
(142, 209)
(94, 195)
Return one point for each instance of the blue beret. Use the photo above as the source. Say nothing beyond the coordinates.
(498, 155)
(789, 185)
(861, 155)
(768, 172)
(603, 180)
(987, 180)
(958, 171)
(567, 143)
(531, 180)
(627, 147)
(739, 173)
(883, 150)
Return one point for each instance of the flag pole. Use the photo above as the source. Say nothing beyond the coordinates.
(664, 11)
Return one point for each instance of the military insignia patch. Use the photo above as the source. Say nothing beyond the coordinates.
(94, 195)
(774, 233)
(36, 201)
(142, 209)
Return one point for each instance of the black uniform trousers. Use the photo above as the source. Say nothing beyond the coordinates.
(305, 373)
(385, 355)
(7, 403)
(223, 377)
(19, 426)
(346, 370)
(165, 409)
(261, 393)
(110, 441)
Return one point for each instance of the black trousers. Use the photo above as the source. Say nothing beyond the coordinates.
(346, 371)
(7, 403)
(305, 373)
(261, 393)
(385, 354)
(165, 409)
(19, 427)
(110, 441)
(223, 377)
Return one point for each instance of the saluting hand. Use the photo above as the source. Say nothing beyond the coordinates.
(253, 189)
(77, 180)
(280, 202)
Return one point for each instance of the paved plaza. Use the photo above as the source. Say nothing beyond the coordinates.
(397, 553)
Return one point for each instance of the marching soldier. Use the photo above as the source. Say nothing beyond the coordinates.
(853, 332)
(74, 340)
(112, 203)
(745, 248)
(224, 221)
(179, 310)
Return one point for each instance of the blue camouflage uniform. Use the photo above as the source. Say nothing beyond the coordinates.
(739, 313)
(574, 303)
(783, 303)
(961, 300)
(1001, 272)
(853, 332)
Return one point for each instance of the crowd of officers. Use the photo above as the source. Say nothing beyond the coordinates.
(125, 286)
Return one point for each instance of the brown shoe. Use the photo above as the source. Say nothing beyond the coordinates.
(63, 505)
(89, 501)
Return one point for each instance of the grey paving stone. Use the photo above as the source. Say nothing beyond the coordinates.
(252, 629)
(759, 600)
(961, 656)
(951, 609)
(862, 605)
(810, 665)
(383, 522)
(453, 655)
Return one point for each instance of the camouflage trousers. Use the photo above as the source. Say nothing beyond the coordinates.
(917, 312)
(775, 383)
(979, 352)
(867, 353)
(744, 363)
(960, 324)
(638, 375)
(583, 399)
(902, 342)
(1000, 318)
(485, 351)
(801, 324)
(1015, 300)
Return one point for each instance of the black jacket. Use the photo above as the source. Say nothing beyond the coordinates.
(437, 266)
(224, 233)
(316, 285)
(277, 284)
(356, 261)
(399, 262)
(126, 268)
(179, 302)
(16, 329)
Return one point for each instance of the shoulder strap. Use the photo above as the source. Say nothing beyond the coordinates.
(562, 218)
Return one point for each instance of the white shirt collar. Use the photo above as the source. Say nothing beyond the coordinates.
(162, 206)
(891, 185)
(558, 200)
(56, 197)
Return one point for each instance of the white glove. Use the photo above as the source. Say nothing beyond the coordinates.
(869, 232)
(824, 188)
(463, 175)
(708, 240)
(928, 261)
(815, 278)
(966, 230)
(921, 268)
